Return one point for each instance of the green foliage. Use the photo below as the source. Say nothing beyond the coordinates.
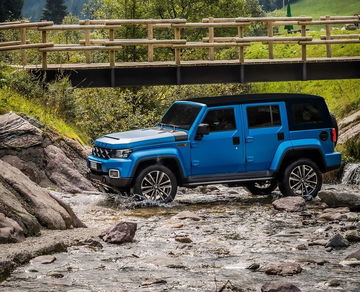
(10, 9)
(55, 10)
(351, 149)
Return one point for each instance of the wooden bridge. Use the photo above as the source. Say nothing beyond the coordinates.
(180, 69)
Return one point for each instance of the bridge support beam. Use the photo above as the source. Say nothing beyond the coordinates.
(205, 74)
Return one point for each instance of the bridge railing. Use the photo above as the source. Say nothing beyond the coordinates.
(178, 26)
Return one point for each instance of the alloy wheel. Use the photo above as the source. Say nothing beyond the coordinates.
(303, 180)
(156, 186)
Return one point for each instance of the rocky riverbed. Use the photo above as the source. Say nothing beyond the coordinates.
(208, 239)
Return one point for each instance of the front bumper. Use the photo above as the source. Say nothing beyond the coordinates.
(113, 182)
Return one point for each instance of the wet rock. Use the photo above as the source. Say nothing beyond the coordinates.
(290, 204)
(187, 215)
(337, 241)
(16, 132)
(355, 255)
(183, 239)
(56, 275)
(284, 269)
(62, 171)
(329, 216)
(253, 266)
(302, 247)
(30, 205)
(340, 199)
(333, 283)
(352, 235)
(44, 260)
(121, 233)
(279, 287)
(10, 230)
(321, 242)
(92, 242)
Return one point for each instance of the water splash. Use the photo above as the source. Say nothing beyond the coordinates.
(351, 174)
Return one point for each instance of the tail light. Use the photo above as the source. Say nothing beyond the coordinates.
(333, 135)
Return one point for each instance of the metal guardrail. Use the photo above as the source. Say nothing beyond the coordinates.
(211, 42)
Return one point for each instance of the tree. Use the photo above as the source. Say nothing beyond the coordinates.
(55, 10)
(10, 10)
(288, 14)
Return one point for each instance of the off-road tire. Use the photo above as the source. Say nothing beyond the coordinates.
(155, 183)
(301, 178)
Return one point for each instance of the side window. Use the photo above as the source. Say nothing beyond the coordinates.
(263, 116)
(220, 119)
(306, 113)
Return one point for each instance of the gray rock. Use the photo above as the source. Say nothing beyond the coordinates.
(62, 171)
(30, 205)
(337, 241)
(43, 260)
(183, 239)
(120, 233)
(10, 230)
(16, 132)
(284, 269)
(340, 199)
(354, 255)
(333, 283)
(302, 247)
(253, 266)
(290, 204)
(279, 287)
(352, 235)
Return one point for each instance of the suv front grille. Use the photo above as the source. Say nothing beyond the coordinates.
(102, 152)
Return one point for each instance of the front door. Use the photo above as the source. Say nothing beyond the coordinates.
(221, 151)
(265, 130)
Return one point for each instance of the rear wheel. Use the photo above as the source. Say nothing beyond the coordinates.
(155, 183)
(301, 178)
(265, 187)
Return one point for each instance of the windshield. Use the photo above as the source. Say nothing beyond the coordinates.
(180, 115)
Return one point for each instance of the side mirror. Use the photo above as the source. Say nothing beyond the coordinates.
(202, 130)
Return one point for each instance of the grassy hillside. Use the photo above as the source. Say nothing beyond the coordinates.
(317, 8)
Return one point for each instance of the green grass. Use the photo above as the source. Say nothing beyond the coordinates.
(12, 101)
(317, 8)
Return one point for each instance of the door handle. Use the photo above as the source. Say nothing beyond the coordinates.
(236, 140)
(249, 139)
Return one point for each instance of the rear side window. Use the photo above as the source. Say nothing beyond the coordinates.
(263, 116)
(307, 113)
(220, 120)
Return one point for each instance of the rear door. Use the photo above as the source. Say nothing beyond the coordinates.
(222, 150)
(265, 129)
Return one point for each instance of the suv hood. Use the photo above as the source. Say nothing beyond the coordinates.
(140, 137)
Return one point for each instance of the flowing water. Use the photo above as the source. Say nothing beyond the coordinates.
(351, 174)
(230, 230)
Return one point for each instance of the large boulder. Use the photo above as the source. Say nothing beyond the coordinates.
(30, 205)
(279, 287)
(62, 171)
(15, 132)
(349, 127)
(336, 199)
(290, 204)
(284, 269)
(45, 157)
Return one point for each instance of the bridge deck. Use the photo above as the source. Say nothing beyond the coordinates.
(84, 66)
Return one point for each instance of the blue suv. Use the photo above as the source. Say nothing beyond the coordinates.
(259, 141)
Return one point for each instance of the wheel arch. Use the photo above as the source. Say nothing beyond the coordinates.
(312, 153)
(170, 162)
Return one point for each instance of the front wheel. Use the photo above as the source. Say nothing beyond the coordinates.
(155, 183)
(259, 188)
(301, 178)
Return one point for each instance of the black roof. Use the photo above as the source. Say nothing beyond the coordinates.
(250, 98)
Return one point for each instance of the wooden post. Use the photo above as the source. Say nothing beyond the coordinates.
(177, 50)
(328, 37)
(23, 42)
(241, 49)
(112, 53)
(150, 33)
(270, 34)
(211, 40)
(87, 41)
(44, 54)
(303, 47)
